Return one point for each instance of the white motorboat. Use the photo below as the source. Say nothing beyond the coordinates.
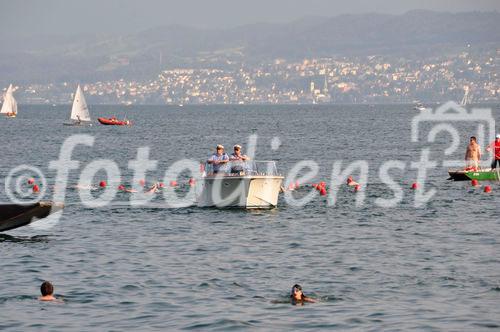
(249, 185)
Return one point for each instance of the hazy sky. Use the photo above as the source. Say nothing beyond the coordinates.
(22, 17)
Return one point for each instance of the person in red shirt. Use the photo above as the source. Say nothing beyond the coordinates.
(495, 146)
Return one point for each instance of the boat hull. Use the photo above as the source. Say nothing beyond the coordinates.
(481, 175)
(17, 215)
(458, 175)
(488, 175)
(248, 192)
(78, 124)
(111, 122)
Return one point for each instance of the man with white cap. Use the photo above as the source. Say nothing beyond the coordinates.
(219, 159)
(236, 155)
(237, 160)
(495, 146)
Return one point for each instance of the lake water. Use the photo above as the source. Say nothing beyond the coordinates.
(433, 267)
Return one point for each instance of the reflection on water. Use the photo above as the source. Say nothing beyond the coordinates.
(26, 239)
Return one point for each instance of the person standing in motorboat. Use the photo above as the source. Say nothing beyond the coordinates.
(495, 147)
(237, 155)
(218, 160)
(237, 160)
(473, 154)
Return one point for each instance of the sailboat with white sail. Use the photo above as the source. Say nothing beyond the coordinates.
(80, 115)
(9, 106)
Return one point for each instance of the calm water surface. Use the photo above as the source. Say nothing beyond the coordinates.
(435, 267)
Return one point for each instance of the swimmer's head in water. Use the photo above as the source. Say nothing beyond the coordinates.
(46, 288)
(296, 292)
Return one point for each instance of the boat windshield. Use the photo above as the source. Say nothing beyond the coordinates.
(242, 168)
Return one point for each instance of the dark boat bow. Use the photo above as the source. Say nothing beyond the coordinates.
(18, 215)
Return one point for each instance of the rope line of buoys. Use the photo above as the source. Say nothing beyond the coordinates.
(320, 186)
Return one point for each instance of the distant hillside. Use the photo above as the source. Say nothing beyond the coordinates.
(143, 54)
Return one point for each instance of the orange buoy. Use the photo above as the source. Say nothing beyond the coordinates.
(102, 184)
(487, 189)
(173, 183)
(474, 182)
(322, 192)
(36, 188)
(414, 186)
(31, 181)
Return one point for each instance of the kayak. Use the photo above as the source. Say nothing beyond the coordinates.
(18, 215)
(113, 122)
(480, 175)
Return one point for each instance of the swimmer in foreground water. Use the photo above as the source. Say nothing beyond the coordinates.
(297, 297)
(47, 290)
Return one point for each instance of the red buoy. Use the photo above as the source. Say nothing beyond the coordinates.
(31, 181)
(414, 186)
(322, 191)
(487, 189)
(102, 184)
(173, 183)
(322, 184)
(297, 185)
(357, 187)
(192, 182)
(121, 187)
(36, 188)
(474, 182)
(161, 184)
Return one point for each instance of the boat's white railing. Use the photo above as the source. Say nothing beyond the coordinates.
(241, 168)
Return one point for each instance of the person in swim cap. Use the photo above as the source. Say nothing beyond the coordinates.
(350, 182)
(297, 297)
